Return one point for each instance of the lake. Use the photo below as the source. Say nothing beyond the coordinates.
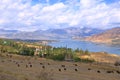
(93, 47)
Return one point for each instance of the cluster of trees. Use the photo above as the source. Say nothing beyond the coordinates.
(64, 53)
(9, 46)
(53, 53)
(60, 53)
(82, 52)
(27, 51)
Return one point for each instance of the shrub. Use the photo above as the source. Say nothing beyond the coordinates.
(77, 59)
(27, 51)
(117, 63)
(59, 57)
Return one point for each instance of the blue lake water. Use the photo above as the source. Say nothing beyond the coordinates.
(93, 47)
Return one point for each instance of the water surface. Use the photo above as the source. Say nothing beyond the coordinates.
(93, 47)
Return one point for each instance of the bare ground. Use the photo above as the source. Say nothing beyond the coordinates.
(33, 68)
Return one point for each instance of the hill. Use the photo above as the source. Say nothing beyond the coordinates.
(16, 67)
(111, 36)
(102, 57)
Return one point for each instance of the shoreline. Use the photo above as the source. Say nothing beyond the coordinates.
(99, 45)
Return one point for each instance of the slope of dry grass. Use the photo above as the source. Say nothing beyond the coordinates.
(33, 68)
(102, 57)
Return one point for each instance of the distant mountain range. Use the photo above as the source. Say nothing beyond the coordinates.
(4, 33)
(50, 34)
(109, 36)
(87, 34)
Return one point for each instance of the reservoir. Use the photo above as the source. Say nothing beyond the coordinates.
(92, 47)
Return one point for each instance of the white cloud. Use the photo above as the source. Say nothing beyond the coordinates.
(53, 8)
(21, 14)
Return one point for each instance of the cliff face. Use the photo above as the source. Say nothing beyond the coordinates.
(109, 36)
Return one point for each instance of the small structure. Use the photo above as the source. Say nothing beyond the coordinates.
(37, 51)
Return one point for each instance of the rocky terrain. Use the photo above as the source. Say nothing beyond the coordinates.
(111, 36)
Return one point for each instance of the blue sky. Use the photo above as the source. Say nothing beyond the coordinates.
(30, 15)
(56, 1)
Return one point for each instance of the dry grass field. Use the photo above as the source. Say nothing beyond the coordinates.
(18, 67)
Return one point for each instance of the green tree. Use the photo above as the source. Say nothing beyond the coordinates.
(27, 51)
(81, 51)
(86, 52)
(77, 50)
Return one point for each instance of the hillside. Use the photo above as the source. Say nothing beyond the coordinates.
(102, 57)
(18, 47)
(23, 65)
(34, 68)
(109, 36)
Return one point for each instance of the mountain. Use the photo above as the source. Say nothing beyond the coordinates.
(65, 33)
(5, 33)
(109, 36)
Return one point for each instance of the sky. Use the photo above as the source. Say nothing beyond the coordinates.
(30, 15)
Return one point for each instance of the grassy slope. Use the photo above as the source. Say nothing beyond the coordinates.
(102, 57)
(9, 69)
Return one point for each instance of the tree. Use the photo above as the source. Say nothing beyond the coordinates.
(27, 51)
(77, 50)
(81, 51)
(86, 52)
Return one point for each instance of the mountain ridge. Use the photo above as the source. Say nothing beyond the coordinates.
(65, 33)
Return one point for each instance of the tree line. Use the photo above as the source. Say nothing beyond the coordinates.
(59, 53)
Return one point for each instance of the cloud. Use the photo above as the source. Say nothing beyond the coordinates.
(23, 15)
(88, 3)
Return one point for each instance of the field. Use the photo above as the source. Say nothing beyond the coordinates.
(16, 67)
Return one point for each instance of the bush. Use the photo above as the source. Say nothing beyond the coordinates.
(87, 60)
(117, 63)
(77, 59)
(59, 57)
(27, 51)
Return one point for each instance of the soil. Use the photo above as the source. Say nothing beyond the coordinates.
(16, 67)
